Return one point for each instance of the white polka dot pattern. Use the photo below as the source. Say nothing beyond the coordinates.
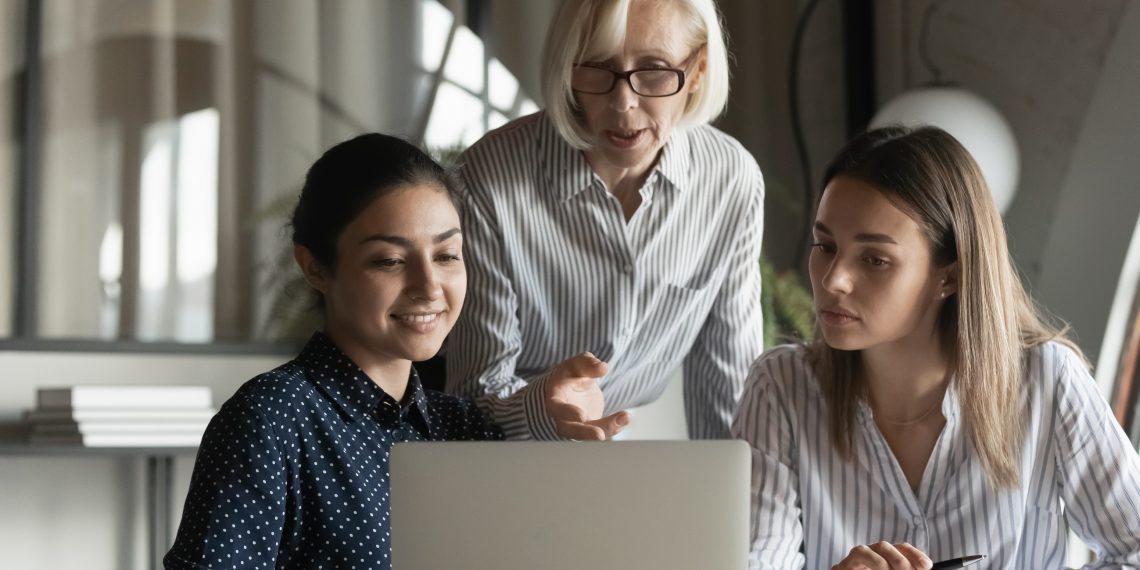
(293, 470)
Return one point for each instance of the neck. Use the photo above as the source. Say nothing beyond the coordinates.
(390, 374)
(618, 180)
(907, 378)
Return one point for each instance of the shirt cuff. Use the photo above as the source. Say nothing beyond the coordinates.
(541, 425)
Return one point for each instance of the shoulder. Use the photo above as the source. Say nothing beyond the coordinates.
(782, 368)
(504, 143)
(720, 159)
(273, 393)
(714, 146)
(1054, 365)
(709, 140)
(460, 418)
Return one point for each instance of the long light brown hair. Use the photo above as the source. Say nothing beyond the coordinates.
(986, 327)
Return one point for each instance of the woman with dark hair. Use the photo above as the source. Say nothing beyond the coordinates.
(293, 470)
(937, 414)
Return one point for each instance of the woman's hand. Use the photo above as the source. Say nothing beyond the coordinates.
(574, 400)
(885, 556)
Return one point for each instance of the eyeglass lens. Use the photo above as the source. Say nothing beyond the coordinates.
(647, 82)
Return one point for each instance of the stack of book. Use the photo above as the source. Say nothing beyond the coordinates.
(121, 416)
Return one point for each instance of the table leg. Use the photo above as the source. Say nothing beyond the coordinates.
(159, 483)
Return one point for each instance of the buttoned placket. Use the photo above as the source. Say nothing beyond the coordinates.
(915, 504)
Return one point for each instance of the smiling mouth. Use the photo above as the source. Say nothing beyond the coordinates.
(417, 318)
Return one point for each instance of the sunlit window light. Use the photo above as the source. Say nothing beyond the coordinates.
(457, 118)
(154, 208)
(437, 22)
(464, 63)
(111, 254)
(497, 120)
(197, 244)
(503, 87)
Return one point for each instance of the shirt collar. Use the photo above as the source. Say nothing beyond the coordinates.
(351, 390)
(568, 173)
(564, 167)
(674, 165)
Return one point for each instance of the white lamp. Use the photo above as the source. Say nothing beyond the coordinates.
(970, 119)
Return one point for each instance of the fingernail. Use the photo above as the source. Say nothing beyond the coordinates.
(622, 420)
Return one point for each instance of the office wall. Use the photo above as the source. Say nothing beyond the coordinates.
(1099, 205)
(1064, 75)
(89, 512)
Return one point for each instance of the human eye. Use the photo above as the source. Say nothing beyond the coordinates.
(823, 247)
(876, 261)
(447, 258)
(386, 262)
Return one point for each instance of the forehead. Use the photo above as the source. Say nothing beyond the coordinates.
(850, 206)
(653, 27)
(410, 211)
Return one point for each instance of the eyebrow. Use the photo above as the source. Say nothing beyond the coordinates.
(863, 237)
(405, 242)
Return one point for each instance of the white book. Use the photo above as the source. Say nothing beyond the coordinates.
(120, 440)
(119, 415)
(124, 396)
(88, 428)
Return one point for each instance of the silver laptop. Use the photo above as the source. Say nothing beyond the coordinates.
(526, 505)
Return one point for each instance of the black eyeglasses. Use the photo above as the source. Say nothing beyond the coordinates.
(647, 82)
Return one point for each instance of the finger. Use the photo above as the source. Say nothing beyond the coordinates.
(891, 555)
(582, 365)
(579, 431)
(917, 558)
(894, 559)
(612, 424)
(864, 556)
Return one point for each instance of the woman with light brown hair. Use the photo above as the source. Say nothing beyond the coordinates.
(937, 414)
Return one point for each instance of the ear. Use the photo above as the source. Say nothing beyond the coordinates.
(697, 78)
(311, 268)
(949, 281)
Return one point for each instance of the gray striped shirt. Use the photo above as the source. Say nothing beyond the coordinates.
(555, 269)
(810, 508)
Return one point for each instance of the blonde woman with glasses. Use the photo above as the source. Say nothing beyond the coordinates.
(615, 221)
(937, 415)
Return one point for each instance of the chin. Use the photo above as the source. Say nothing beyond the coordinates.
(843, 341)
(422, 352)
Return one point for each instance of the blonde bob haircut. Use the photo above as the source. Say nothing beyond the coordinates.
(985, 327)
(594, 30)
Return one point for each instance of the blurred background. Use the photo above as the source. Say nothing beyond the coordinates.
(151, 149)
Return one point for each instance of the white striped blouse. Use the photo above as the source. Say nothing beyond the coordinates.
(810, 508)
(554, 269)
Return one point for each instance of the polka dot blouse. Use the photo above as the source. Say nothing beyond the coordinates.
(293, 470)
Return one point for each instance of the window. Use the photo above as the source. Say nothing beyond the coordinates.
(172, 136)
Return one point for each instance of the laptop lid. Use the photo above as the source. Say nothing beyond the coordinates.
(525, 505)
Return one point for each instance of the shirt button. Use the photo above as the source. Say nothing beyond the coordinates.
(627, 268)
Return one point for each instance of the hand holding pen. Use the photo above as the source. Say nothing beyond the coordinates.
(902, 556)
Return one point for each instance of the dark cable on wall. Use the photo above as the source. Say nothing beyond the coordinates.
(798, 132)
(923, 48)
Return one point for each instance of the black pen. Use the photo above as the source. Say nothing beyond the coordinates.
(957, 562)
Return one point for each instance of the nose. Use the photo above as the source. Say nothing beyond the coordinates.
(424, 282)
(836, 278)
(622, 97)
